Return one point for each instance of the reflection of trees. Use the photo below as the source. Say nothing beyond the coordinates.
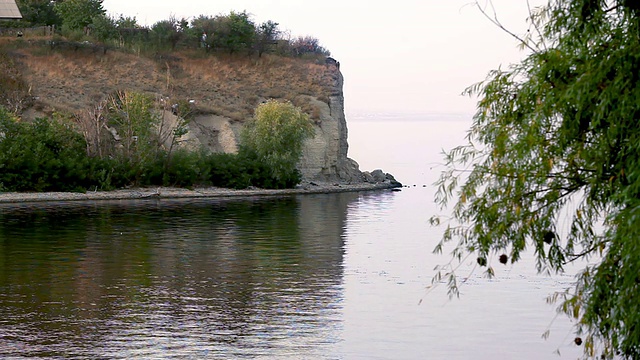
(245, 273)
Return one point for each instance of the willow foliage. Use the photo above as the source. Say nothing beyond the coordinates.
(552, 164)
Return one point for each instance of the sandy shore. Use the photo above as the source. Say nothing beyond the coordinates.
(176, 193)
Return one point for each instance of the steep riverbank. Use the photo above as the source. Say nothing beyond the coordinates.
(219, 92)
(176, 193)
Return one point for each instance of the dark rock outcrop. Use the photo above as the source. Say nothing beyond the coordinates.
(378, 176)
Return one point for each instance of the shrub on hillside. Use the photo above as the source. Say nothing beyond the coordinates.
(275, 137)
(307, 45)
(45, 155)
(185, 169)
(50, 155)
(227, 170)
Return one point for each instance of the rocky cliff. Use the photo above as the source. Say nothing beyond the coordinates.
(224, 92)
(325, 155)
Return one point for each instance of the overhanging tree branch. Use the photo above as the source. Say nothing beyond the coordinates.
(494, 19)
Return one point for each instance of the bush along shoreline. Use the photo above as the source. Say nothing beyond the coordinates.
(129, 145)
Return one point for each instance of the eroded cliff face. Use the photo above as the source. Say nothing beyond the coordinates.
(324, 156)
(223, 91)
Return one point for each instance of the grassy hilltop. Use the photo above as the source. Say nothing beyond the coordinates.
(48, 79)
(226, 63)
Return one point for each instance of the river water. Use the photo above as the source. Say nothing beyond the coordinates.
(338, 276)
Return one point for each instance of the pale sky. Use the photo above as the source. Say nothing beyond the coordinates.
(413, 56)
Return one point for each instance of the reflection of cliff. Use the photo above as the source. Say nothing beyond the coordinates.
(136, 277)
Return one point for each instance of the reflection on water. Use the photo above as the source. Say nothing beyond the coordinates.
(335, 276)
(226, 279)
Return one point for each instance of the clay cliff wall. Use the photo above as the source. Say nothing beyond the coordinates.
(224, 91)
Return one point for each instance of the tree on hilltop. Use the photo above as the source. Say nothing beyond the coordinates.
(552, 164)
(169, 32)
(234, 32)
(204, 27)
(76, 14)
(38, 12)
(266, 36)
(127, 22)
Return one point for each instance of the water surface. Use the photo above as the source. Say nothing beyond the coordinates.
(337, 276)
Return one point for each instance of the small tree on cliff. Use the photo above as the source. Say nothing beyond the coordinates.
(553, 164)
(234, 32)
(266, 36)
(276, 137)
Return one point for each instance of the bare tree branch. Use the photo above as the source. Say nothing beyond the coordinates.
(494, 19)
(534, 22)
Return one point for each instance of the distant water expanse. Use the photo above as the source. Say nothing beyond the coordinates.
(336, 276)
(409, 146)
(501, 318)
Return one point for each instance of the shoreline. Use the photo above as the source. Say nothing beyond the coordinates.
(182, 193)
